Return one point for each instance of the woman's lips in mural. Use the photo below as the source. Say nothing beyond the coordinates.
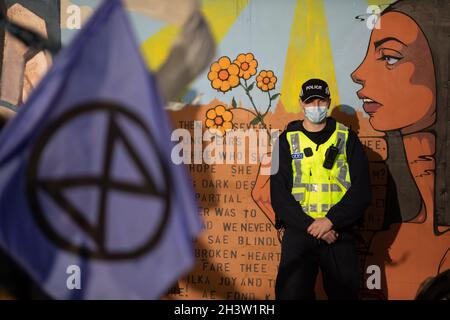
(370, 106)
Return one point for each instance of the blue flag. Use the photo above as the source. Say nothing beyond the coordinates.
(91, 204)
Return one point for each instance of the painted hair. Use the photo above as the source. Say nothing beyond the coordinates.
(433, 18)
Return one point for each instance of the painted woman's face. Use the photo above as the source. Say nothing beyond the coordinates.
(397, 76)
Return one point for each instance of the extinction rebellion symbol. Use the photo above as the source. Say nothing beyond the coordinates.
(105, 183)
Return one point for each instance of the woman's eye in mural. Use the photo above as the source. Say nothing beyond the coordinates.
(390, 56)
(390, 59)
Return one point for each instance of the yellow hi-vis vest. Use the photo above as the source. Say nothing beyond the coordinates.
(316, 188)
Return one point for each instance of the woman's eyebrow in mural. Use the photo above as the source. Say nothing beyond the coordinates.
(380, 42)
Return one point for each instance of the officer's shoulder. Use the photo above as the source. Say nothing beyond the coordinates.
(345, 127)
(352, 135)
(293, 126)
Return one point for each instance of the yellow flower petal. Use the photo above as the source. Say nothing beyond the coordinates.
(253, 63)
(216, 83)
(215, 67)
(233, 69)
(224, 62)
(227, 125)
(270, 73)
(219, 110)
(271, 86)
(249, 57)
(215, 131)
(212, 75)
(209, 123)
(263, 73)
(273, 80)
(211, 114)
(264, 88)
(241, 57)
(233, 80)
(227, 116)
(225, 86)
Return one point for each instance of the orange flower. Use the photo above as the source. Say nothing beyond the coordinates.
(224, 75)
(219, 120)
(266, 80)
(247, 65)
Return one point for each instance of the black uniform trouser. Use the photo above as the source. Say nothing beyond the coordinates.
(301, 257)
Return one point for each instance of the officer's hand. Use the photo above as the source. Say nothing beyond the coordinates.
(330, 237)
(319, 227)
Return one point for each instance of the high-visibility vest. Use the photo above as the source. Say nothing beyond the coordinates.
(316, 188)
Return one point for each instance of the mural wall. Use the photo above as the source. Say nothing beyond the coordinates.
(23, 67)
(388, 79)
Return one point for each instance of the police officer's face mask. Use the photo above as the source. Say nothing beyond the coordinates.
(316, 114)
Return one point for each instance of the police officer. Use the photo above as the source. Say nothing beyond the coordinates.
(319, 193)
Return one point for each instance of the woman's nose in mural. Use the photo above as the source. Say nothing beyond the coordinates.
(357, 75)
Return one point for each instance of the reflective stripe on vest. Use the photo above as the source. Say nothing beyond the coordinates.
(297, 167)
(316, 188)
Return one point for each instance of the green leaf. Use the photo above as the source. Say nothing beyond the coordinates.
(255, 121)
(233, 103)
(250, 87)
(274, 96)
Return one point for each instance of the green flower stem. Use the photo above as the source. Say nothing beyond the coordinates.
(239, 108)
(257, 113)
(259, 116)
(270, 104)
